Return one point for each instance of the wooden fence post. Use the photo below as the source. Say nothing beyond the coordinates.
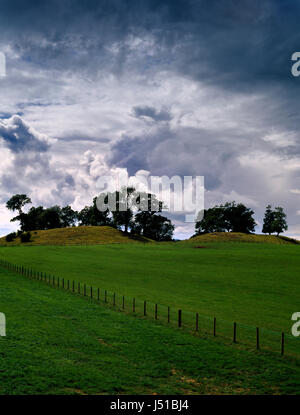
(98, 294)
(123, 302)
(145, 308)
(84, 290)
(155, 311)
(234, 332)
(114, 299)
(197, 321)
(179, 318)
(282, 344)
(73, 287)
(79, 288)
(91, 292)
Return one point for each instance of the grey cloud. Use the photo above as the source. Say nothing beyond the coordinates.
(19, 136)
(188, 151)
(152, 113)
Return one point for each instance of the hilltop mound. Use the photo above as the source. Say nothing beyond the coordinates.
(241, 237)
(82, 235)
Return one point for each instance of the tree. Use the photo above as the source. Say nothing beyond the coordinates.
(268, 220)
(92, 216)
(17, 202)
(274, 220)
(68, 217)
(230, 216)
(238, 218)
(153, 226)
(212, 221)
(147, 206)
(32, 220)
(123, 214)
(50, 218)
(279, 223)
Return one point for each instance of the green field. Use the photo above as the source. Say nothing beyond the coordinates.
(60, 343)
(254, 284)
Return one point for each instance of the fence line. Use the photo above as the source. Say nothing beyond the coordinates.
(180, 318)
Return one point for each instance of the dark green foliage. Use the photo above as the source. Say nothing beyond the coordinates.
(279, 223)
(68, 217)
(17, 202)
(238, 218)
(123, 215)
(213, 221)
(229, 217)
(274, 220)
(268, 220)
(148, 223)
(92, 216)
(32, 219)
(156, 227)
(10, 237)
(25, 237)
(50, 218)
(40, 218)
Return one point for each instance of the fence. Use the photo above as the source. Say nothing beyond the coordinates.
(260, 338)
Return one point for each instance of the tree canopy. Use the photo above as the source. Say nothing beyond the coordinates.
(275, 221)
(17, 202)
(230, 217)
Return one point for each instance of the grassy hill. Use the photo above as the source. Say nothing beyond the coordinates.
(60, 343)
(82, 235)
(241, 237)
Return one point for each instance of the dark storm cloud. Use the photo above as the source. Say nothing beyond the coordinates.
(243, 46)
(232, 43)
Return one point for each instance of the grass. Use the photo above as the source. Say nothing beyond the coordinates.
(59, 343)
(82, 235)
(254, 284)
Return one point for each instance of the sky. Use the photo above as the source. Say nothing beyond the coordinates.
(173, 87)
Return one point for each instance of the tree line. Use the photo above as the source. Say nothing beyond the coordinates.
(127, 215)
(236, 217)
(131, 215)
